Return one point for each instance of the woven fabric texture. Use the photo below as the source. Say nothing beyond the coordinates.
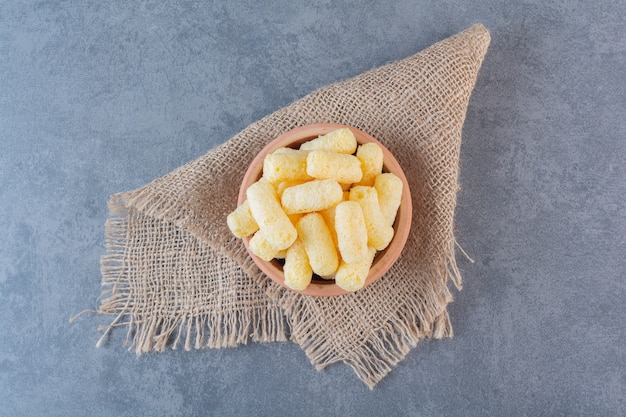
(174, 276)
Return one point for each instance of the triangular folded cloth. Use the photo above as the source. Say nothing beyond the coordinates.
(174, 275)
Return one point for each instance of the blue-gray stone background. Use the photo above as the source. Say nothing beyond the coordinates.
(98, 97)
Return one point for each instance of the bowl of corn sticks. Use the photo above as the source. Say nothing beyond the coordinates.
(323, 210)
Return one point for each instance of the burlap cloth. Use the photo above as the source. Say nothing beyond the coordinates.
(174, 275)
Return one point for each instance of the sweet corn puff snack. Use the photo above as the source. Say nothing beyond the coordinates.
(241, 222)
(343, 168)
(261, 247)
(297, 269)
(311, 196)
(351, 231)
(270, 216)
(319, 245)
(379, 233)
(340, 141)
(371, 158)
(286, 166)
(351, 277)
(389, 188)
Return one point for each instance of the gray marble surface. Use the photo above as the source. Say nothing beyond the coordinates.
(98, 97)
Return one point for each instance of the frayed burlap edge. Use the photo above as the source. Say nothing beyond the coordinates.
(209, 328)
(378, 354)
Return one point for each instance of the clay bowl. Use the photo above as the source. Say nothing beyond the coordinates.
(384, 259)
